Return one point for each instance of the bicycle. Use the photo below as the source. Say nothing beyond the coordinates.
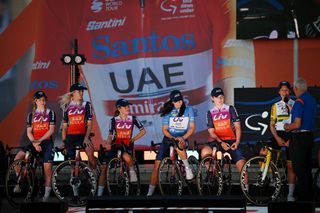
(73, 181)
(118, 181)
(24, 179)
(261, 180)
(214, 173)
(172, 175)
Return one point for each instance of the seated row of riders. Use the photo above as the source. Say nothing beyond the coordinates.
(222, 121)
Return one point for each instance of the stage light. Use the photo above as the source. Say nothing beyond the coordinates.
(66, 59)
(73, 59)
(79, 59)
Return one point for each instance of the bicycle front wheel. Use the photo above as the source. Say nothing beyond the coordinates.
(70, 188)
(170, 182)
(117, 178)
(135, 187)
(209, 177)
(260, 188)
(19, 183)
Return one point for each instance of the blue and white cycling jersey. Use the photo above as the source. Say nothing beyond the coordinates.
(178, 126)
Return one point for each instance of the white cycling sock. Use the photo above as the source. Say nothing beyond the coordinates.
(151, 190)
(47, 191)
(186, 163)
(100, 191)
(291, 189)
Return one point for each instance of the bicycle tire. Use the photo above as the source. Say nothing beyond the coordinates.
(63, 183)
(209, 177)
(316, 183)
(26, 184)
(117, 178)
(135, 187)
(258, 191)
(170, 182)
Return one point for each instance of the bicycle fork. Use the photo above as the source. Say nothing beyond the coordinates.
(265, 167)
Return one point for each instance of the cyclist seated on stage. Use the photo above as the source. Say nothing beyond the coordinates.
(120, 135)
(224, 127)
(178, 123)
(280, 115)
(77, 124)
(40, 127)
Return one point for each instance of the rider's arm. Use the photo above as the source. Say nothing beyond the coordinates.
(192, 124)
(211, 129)
(64, 129)
(139, 125)
(88, 131)
(29, 134)
(237, 127)
(88, 119)
(64, 132)
(165, 131)
(191, 130)
(139, 135)
(213, 135)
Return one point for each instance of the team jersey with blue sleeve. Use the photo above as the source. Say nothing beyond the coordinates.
(178, 126)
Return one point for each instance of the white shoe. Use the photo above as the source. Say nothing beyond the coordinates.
(17, 189)
(290, 198)
(133, 176)
(189, 174)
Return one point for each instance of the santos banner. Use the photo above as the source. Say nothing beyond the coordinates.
(138, 50)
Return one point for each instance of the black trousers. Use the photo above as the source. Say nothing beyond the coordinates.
(301, 155)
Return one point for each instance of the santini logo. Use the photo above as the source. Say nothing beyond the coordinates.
(111, 23)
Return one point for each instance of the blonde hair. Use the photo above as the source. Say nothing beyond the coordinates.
(64, 100)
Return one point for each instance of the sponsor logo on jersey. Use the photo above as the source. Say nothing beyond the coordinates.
(111, 23)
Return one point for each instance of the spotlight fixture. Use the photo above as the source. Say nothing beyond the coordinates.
(73, 59)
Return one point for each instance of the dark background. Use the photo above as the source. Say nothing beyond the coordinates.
(256, 19)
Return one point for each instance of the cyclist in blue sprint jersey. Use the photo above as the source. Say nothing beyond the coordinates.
(178, 123)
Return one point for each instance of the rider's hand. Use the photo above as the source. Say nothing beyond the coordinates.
(225, 146)
(234, 146)
(281, 142)
(181, 142)
(286, 144)
(37, 146)
(88, 143)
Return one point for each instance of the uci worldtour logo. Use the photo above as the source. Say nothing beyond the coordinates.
(96, 6)
(110, 5)
(259, 126)
(106, 46)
